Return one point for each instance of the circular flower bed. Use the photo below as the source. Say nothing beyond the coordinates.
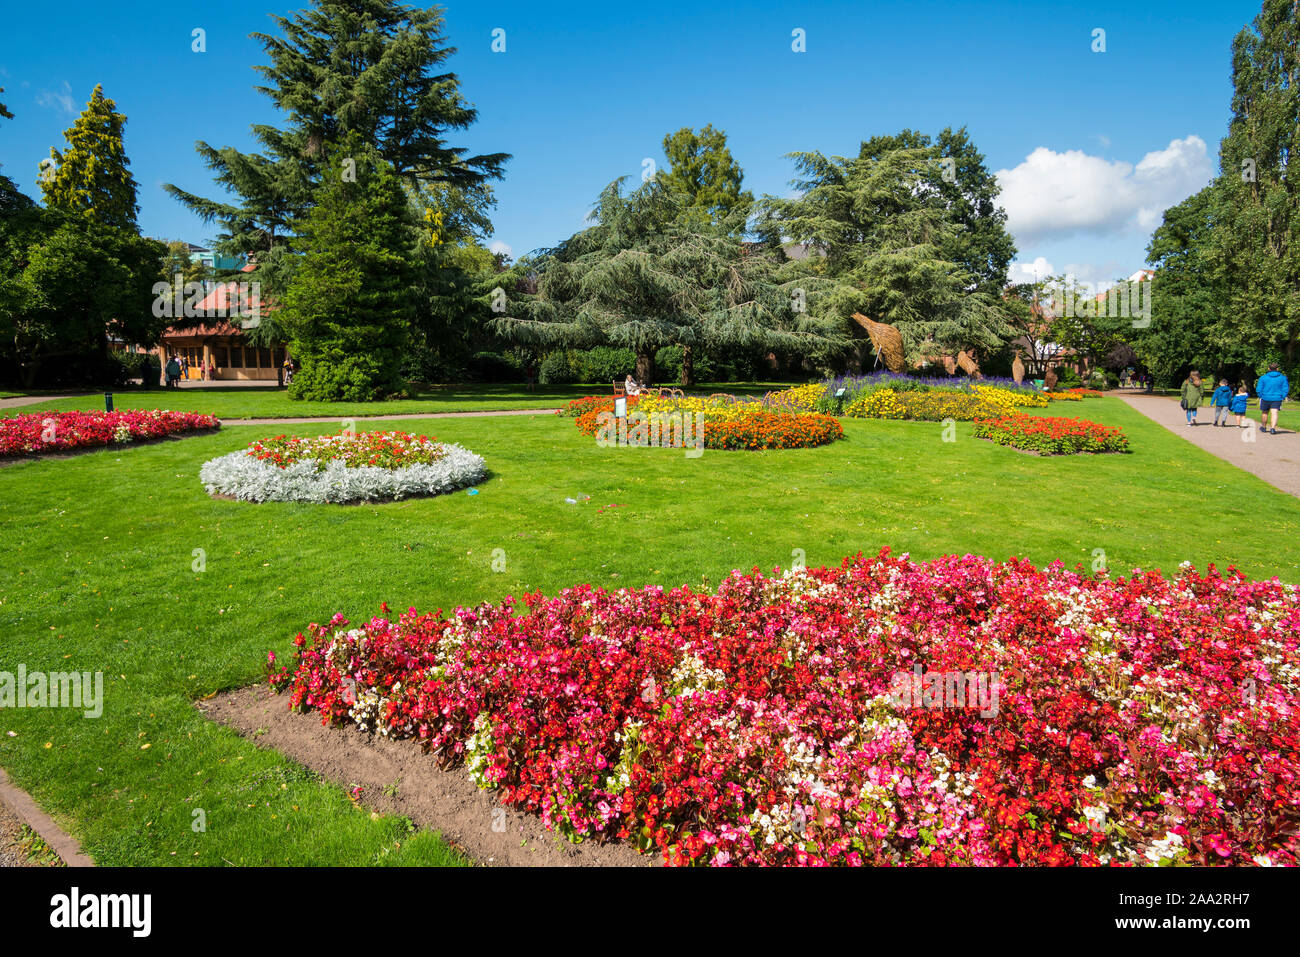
(38, 433)
(348, 467)
(812, 718)
(728, 423)
(1051, 436)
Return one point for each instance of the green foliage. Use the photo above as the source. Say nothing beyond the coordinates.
(668, 362)
(349, 306)
(176, 259)
(881, 242)
(641, 278)
(370, 69)
(1258, 240)
(966, 191)
(704, 176)
(1227, 259)
(91, 178)
(557, 369)
(605, 364)
(1190, 295)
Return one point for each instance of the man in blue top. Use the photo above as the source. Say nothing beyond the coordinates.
(1271, 388)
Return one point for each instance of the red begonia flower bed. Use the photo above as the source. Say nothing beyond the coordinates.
(797, 719)
(37, 433)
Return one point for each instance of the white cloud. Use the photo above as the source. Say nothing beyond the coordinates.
(504, 248)
(1035, 271)
(1054, 194)
(1094, 276)
(59, 101)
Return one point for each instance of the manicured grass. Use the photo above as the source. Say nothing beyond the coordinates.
(97, 575)
(274, 403)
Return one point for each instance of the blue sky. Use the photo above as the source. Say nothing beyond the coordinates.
(1090, 146)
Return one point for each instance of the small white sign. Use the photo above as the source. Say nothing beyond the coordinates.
(620, 408)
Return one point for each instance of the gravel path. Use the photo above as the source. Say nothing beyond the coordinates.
(377, 418)
(1274, 458)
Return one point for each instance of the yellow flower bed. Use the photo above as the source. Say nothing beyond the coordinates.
(877, 404)
(1010, 399)
(715, 409)
(804, 398)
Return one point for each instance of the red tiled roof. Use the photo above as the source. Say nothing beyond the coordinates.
(221, 328)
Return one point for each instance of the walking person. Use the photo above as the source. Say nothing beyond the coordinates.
(1193, 392)
(173, 371)
(1272, 388)
(1222, 402)
(1239, 403)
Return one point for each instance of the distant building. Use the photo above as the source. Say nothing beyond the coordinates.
(217, 348)
(213, 261)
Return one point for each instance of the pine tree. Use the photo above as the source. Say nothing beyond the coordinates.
(91, 178)
(960, 184)
(349, 306)
(643, 277)
(369, 68)
(704, 175)
(878, 245)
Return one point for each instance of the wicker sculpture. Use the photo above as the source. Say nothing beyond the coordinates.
(886, 340)
(1017, 369)
(1049, 380)
(969, 365)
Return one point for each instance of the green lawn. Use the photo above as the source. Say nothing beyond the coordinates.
(274, 403)
(96, 575)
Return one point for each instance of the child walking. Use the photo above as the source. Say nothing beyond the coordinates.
(1192, 392)
(1239, 402)
(1222, 401)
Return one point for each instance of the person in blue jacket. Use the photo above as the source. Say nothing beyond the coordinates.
(1221, 400)
(1271, 388)
(1239, 403)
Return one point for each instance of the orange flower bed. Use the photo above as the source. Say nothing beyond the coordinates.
(773, 430)
(760, 428)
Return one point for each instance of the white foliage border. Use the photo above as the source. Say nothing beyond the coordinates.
(248, 479)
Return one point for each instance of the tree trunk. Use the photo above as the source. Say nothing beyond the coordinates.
(645, 367)
(688, 367)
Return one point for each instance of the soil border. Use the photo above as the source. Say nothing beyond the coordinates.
(397, 777)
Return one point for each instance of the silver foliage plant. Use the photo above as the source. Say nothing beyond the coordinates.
(246, 478)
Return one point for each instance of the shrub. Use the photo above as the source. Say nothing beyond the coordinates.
(1052, 436)
(495, 367)
(345, 378)
(135, 365)
(556, 369)
(604, 364)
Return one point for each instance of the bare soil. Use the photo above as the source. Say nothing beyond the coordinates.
(446, 801)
